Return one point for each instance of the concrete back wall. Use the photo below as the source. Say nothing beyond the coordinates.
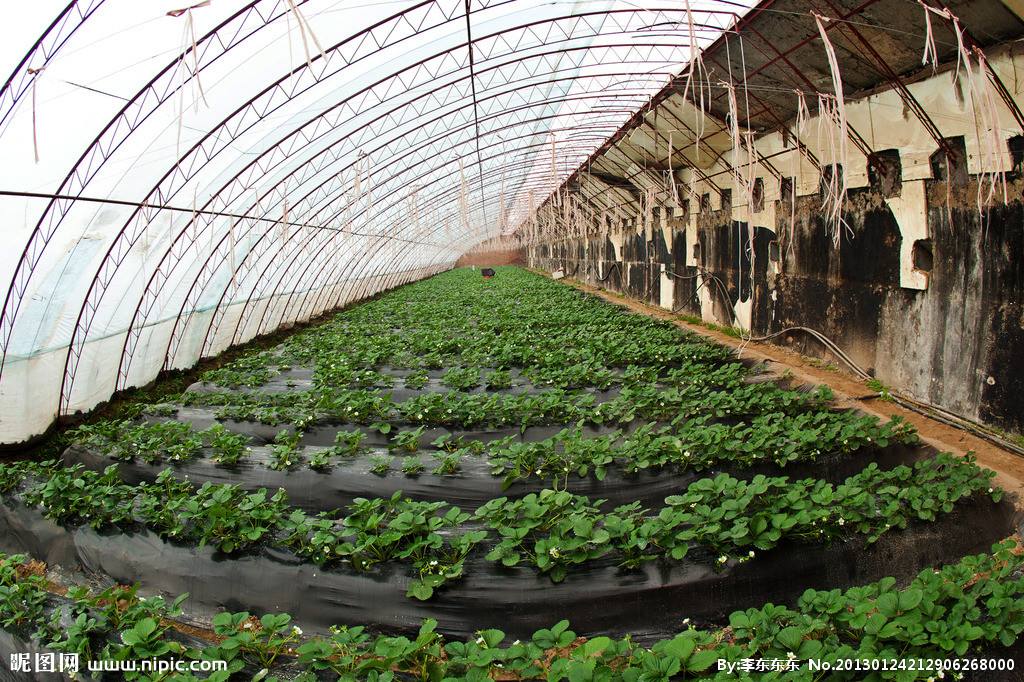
(490, 259)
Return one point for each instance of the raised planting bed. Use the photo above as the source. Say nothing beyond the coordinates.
(883, 621)
(464, 480)
(328, 466)
(386, 561)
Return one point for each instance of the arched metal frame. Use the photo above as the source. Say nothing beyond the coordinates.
(483, 118)
(386, 119)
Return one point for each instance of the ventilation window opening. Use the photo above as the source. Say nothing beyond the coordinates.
(757, 195)
(787, 189)
(921, 255)
(726, 195)
(949, 164)
(885, 172)
(1015, 145)
(705, 203)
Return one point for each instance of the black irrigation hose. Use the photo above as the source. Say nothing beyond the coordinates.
(923, 408)
(709, 276)
(608, 274)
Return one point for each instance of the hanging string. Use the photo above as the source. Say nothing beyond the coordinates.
(370, 205)
(930, 52)
(696, 67)
(192, 218)
(803, 115)
(35, 73)
(183, 10)
(284, 222)
(304, 29)
(987, 130)
(188, 37)
(501, 204)
(983, 104)
(673, 188)
(835, 108)
(463, 198)
(231, 253)
(554, 169)
(190, 29)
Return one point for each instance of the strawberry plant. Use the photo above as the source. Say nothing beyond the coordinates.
(448, 464)
(968, 607)
(145, 640)
(498, 379)
(416, 380)
(349, 443)
(564, 454)
(551, 530)
(380, 465)
(149, 442)
(412, 466)
(284, 453)
(382, 530)
(261, 641)
(408, 441)
(461, 378)
(227, 447)
(320, 460)
(248, 371)
(78, 495)
(23, 594)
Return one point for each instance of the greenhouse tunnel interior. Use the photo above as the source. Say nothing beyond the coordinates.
(823, 200)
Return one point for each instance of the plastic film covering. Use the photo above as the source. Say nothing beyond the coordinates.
(183, 176)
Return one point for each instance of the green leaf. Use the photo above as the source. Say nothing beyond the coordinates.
(702, 660)
(680, 647)
(595, 646)
(492, 638)
(910, 598)
(419, 590)
(790, 638)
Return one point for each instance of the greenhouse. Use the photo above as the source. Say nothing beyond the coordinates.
(501, 340)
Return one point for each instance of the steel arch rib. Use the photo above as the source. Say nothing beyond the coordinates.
(280, 264)
(319, 187)
(597, 47)
(299, 286)
(133, 114)
(170, 353)
(74, 353)
(525, 122)
(56, 35)
(317, 303)
(73, 350)
(317, 276)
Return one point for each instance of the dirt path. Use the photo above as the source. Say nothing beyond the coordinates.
(849, 391)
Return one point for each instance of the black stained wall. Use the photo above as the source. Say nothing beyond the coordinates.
(958, 344)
